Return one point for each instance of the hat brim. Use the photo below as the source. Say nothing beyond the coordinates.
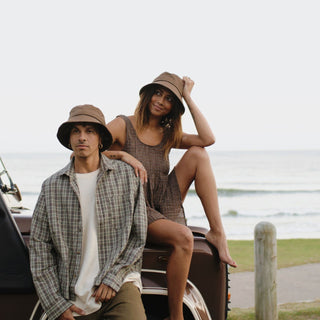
(63, 133)
(169, 86)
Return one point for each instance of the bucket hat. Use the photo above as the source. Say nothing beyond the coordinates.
(88, 114)
(172, 82)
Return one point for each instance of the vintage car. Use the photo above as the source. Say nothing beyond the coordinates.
(206, 294)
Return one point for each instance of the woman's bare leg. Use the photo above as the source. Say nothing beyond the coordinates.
(195, 166)
(180, 238)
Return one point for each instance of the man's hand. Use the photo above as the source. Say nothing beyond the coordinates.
(103, 293)
(67, 315)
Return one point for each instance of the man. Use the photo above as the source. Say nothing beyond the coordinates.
(89, 229)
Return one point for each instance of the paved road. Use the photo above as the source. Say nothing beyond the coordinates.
(294, 284)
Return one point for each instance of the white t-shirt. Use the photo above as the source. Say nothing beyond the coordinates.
(89, 265)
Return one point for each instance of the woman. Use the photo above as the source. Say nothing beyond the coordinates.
(144, 140)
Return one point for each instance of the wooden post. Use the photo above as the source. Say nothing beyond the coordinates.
(265, 250)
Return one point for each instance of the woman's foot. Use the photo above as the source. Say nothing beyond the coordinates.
(220, 242)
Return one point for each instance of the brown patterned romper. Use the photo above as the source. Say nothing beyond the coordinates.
(162, 191)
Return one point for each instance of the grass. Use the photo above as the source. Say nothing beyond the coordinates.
(291, 252)
(289, 311)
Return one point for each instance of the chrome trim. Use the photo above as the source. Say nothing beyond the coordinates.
(42, 317)
(193, 305)
(154, 271)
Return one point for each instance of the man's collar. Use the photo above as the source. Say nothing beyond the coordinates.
(105, 165)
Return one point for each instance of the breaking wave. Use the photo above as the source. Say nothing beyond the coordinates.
(235, 213)
(225, 192)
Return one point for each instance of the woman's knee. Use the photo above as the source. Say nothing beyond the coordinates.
(184, 239)
(198, 153)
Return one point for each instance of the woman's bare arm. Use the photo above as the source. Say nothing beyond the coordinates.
(205, 136)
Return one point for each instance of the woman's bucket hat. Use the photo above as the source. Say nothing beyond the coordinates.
(85, 114)
(172, 82)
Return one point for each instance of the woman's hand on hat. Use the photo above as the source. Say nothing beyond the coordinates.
(187, 87)
(138, 167)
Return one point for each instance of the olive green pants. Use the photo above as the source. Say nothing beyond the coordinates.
(127, 304)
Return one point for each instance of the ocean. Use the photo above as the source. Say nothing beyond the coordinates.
(282, 187)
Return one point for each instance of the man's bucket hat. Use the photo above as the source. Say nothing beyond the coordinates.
(88, 114)
(172, 82)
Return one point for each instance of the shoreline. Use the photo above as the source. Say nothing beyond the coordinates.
(278, 187)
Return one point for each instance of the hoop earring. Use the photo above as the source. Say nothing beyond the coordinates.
(167, 123)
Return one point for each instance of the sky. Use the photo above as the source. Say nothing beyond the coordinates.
(255, 65)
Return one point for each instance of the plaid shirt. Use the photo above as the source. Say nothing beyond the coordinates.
(56, 232)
